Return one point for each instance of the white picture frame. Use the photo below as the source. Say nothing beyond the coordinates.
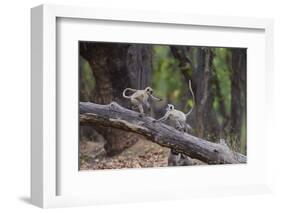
(44, 149)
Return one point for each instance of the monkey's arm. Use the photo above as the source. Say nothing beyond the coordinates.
(155, 98)
(165, 117)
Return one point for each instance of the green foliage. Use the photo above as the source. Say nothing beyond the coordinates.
(222, 70)
(166, 79)
(88, 81)
(169, 83)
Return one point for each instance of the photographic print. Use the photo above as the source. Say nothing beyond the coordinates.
(150, 105)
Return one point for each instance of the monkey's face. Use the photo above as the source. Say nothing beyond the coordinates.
(149, 90)
(170, 107)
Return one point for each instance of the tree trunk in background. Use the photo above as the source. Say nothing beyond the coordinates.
(185, 64)
(203, 76)
(82, 94)
(238, 90)
(182, 54)
(116, 67)
(223, 128)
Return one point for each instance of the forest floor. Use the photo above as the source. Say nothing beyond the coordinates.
(143, 154)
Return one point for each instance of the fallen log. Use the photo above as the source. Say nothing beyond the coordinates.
(114, 115)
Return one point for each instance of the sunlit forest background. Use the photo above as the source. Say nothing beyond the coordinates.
(218, 77)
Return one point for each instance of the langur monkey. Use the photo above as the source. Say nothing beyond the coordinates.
(178, 116)
(175, 159)
(140, 97)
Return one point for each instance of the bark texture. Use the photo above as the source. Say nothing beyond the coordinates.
(113, 115)
(181, 54)
(238, 89)
(116, 67)
(203, 75)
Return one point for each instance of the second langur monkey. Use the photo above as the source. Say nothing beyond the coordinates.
(139, 98)
(178, 116)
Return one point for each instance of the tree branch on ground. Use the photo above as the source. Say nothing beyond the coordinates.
(116, 116)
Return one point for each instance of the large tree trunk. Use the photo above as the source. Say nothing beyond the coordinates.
(185, 64)
(204, 98)
(201, 76)
(182, 53)
(238, 90)
(82, 89)
(116, 67)
(113, 115)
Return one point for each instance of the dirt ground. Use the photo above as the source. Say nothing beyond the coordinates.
(143, 154)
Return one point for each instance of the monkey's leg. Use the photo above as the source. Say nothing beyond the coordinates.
(179, 126)
(148, 108)
(185, 126)
(137, 105)
(188, 128)
(141, 110)
(147, 105)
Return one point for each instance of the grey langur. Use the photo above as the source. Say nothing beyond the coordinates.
(139, 98)
(178, 116)
(174, 158)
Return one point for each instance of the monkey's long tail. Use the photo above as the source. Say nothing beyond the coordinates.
(125, 90)
(190, 88)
